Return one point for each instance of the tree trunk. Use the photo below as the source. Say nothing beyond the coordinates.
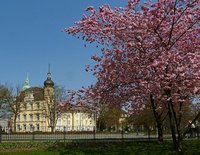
(52, 129)
(98, 125)
(173, 132)
(15, 118)
(52, 126)
(157, 119)
(172, 125)
(160, 131)
(179, 142)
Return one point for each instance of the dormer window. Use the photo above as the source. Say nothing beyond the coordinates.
(31, 104)
(38, 105)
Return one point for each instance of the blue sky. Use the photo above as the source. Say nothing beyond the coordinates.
(31, 38)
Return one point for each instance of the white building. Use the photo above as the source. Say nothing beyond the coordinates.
(4, 123)
(76, 118)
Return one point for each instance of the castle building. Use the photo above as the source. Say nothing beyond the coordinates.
(35, 106)
(38, 111)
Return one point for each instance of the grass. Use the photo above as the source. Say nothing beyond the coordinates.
(33, 152)
(26, 148)
(126, 148)
(191, 147)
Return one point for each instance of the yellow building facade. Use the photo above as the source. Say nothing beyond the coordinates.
(32, 114)
(38, 112)
(35, 106)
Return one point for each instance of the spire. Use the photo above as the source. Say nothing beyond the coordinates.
(26, 83)
(49, 73)
(48, 81)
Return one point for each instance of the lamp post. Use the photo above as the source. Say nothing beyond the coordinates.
(0, 133)
(33, 135)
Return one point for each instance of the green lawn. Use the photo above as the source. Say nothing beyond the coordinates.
(36, 152)
(191, 147)
(127, 148)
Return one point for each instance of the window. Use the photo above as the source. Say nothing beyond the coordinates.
(18, 117)
(25, 106)
(18, 127)
(24, 127)
(68, 122)
(38, 105)
(31, 117)
(37, 127)
(43, 117)
(64, 119)
(31, 127)
(24, 117)
(37, 117)
(31, 105)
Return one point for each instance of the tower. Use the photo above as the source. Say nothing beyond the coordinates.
(26, 83)
(50, 112)
(48, 86)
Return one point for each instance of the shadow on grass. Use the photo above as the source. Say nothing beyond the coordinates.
(125, 148)
(190, 147)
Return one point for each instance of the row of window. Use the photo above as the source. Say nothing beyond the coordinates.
(30, 105)
(84, 122)
(29, 127)
(77, 122)
(37, 127)
(24, 117)
(68, 121)
(77, 115)
(75, 128)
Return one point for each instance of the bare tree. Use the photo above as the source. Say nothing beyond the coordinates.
(4, 107)
(52, 111)
(12, 101)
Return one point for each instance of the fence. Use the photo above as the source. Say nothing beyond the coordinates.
(83, 135)
(71, 136)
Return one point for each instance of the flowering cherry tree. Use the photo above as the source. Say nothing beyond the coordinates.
(151, 51)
